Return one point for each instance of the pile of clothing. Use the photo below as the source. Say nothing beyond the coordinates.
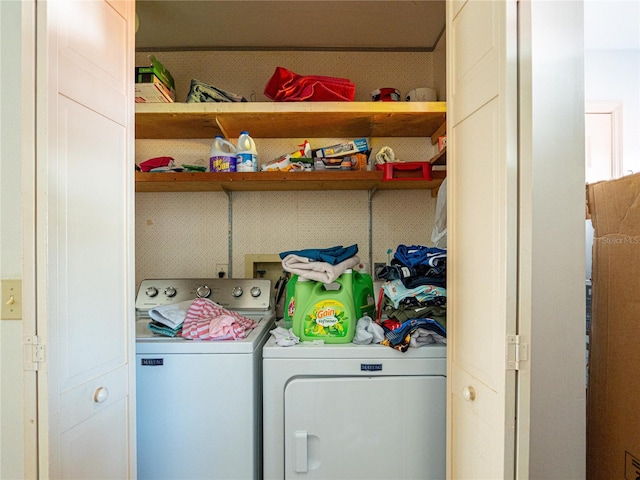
(320, 264)
(199, 319)
(414, 297)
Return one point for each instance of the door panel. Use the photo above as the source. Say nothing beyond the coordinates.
(84, 238)
(482, 222)
(369, 428)
(87, 285)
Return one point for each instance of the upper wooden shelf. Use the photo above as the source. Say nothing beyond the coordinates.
(280, 181)
(289, 119)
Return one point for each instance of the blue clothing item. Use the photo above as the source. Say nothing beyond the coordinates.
(420, 255)
(332, 255)
(398, 335)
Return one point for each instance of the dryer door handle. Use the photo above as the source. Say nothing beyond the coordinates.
(301, 451)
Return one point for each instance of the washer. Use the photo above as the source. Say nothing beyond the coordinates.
(198, 402)
(354, 411)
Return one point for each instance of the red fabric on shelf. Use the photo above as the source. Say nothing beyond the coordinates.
(287, 86)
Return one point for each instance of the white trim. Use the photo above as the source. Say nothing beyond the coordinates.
(615, 110)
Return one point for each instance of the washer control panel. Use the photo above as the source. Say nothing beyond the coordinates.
(248, 294)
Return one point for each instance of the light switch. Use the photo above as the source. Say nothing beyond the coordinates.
(11, 300)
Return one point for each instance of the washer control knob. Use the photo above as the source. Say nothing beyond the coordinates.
(170, 292)
(236, 292)
(151, 291)
(255, 291)
(203, 291)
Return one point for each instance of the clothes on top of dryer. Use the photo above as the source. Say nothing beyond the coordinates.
(406, 311)
(423, 336)
(368, 331)
(206, 320)
(396, 291)
(412, 277)
(284, 337)
(398, 335)
(417, 265)
(414, 255)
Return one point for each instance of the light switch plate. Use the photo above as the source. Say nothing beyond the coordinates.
(11, 300)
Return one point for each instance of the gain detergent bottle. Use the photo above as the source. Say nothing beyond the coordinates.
(325, 313)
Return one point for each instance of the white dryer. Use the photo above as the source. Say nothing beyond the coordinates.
(354, 412)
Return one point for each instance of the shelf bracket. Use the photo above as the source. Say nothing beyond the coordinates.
(230, 230)
(371, 193)
(222, 129)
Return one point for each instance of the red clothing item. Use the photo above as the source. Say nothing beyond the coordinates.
(286, 86)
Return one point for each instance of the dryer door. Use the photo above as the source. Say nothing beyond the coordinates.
(365, 428)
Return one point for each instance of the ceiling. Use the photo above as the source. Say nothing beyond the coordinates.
(376, 25)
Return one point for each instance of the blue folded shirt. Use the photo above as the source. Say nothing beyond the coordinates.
(332, 255)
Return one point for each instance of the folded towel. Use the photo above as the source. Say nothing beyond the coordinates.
(203, 92)
(206, 320)
(160, 329)
(171, 315)
(318, 271)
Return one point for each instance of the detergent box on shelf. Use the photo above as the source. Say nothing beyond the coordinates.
(342, 149)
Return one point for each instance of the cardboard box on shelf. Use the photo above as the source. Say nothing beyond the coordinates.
(613, 393)
(342, 149)
(156, 68)
(155, 92)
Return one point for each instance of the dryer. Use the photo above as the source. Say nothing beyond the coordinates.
(354, 411)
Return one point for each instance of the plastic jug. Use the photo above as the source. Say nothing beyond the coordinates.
(290, 301)
(223, 155)
(246, 153)
(363, 295)
(323, 313)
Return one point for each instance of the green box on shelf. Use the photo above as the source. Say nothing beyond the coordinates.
(156, 68)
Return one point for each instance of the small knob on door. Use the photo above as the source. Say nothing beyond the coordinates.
(469, 393)
(101, 394)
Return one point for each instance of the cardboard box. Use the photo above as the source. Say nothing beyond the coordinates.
(613, 394)
(342, 149)
(155, 92)
(156, 68)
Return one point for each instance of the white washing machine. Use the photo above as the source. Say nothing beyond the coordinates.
(354, 412)
(198, 402)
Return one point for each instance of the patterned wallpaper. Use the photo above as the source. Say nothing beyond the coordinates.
(188, 234)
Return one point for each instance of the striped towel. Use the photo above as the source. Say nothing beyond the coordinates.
(206, 320)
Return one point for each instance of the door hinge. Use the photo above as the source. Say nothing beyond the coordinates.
(34, 353)
(516, 352)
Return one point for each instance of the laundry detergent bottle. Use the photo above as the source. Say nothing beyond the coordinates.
(222, 157)
(325, 312)
(363, 295)
(246, 153)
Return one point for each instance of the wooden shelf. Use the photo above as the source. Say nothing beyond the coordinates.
(289, 119)
(279, 181)
(439, 158)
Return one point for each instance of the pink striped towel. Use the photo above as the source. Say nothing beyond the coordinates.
(206, 320)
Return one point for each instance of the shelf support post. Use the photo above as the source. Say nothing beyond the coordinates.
(371, 192)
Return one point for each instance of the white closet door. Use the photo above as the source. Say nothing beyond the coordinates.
(482, 225)
(368, 428)
(85, 238)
